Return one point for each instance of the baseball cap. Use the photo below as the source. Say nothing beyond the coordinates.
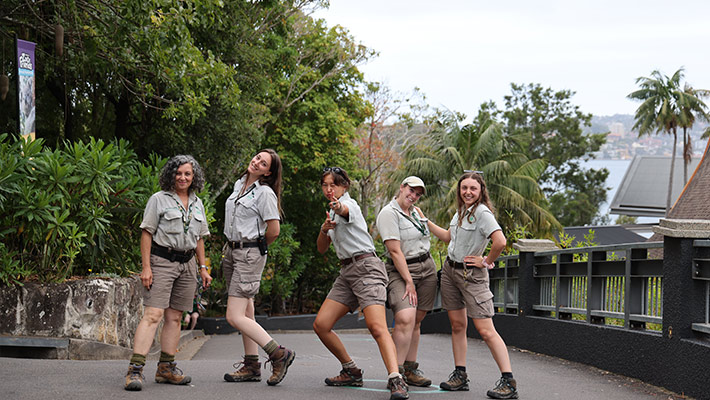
(413, 181)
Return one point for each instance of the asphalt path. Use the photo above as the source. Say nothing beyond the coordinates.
(208, 359)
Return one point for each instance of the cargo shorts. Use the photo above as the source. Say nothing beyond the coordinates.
(470, 291)
(242, 269)
(174, 284)
(424, 277)
(361, 284)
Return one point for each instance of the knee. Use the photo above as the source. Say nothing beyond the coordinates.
(488, 334)
(153, 317)
(378, 330)
(458, 326)
(321, 327)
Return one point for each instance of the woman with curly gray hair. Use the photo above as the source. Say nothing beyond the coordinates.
(174, 223)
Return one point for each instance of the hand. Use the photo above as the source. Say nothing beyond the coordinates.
(411, 291)
(328, 224)
(419, 210)
(335, 205)
(473, 261)
(206, 278)
(147, 277)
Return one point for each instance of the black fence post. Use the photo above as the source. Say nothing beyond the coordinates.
(684, 298)
(528, 289)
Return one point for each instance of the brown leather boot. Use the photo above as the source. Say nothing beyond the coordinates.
(347, 377)
(280, 360)
(250, 371)
(413, 376)
(134, 378)
(168, 372)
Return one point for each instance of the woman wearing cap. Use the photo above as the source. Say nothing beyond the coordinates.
(465, 285)
(412, 273)
(362, 283)
(252, 215)
(173, 226)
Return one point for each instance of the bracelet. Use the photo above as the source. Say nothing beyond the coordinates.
(486, 264)
(203, 266)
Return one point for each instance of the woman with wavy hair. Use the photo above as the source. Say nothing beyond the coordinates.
(174, 223)
(465, 291)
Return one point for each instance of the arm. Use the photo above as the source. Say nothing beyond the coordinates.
(400, 263)
(340, 208)
(497, 245)
(273, 228)
(443, 234)
(201, 260)
(146, 274)
(323, 241)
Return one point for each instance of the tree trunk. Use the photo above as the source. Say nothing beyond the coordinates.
(670, 179)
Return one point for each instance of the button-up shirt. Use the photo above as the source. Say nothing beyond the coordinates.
(350, 236)
(245, 215)
(411, 231)
(471, 238)
(171, 224)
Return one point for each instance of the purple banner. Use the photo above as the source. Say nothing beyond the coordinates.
(26, 87)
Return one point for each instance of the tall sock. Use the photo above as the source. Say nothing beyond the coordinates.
(409, 364)
(165, 357)
(508, 375)
(271, 347)
(138, 359)
(251, 357)
(461, 368)
(350, 364)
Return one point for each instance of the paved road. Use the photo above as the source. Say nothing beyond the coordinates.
(539, 377)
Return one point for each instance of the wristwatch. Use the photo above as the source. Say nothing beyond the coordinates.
(203, 266)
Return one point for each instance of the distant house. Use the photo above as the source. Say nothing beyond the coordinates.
(643, 190)
(604, 234)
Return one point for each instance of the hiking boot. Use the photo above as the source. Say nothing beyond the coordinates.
(168, 372)
(134, 378)
(280, 361)
(413, 375)
(398, 388)
(506, 388)
(347, 377)
(250, 371)
(458, 380)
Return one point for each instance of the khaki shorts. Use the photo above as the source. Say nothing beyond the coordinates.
(473, 293)
(361, 283)
(424, 277)
(174, 284)
(242, 270)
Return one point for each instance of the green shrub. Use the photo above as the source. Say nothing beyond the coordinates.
(75, 210)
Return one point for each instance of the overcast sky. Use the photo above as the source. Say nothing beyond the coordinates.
(462, 53)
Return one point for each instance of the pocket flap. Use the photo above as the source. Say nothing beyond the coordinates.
(172, 214)
(483, 296)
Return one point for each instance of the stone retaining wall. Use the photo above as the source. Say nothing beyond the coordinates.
(101, 310)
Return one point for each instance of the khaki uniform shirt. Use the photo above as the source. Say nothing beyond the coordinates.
(245, 216)
(471, 238)
(350, 237)
(171, 225)
(413, 236)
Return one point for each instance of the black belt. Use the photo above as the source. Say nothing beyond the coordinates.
(171, 254)
(241, 245)
(456, 265)
(413, 260)
(348, 261)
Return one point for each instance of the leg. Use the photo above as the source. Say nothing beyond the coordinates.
(495, 343)
(146, 330)
(404, 322)
(193, 319)
(237, 317)
(170, 337)
(330, 312)
(414, 344)
(459, 321)
(376, 321)
(250, 346)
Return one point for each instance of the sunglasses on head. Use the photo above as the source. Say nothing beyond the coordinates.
(468, 171)
(336, 170)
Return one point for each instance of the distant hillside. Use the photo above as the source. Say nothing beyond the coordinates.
(601, 124)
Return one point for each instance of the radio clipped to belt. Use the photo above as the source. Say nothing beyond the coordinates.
(261, 241)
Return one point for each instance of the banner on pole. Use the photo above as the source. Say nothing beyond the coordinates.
(26, 87)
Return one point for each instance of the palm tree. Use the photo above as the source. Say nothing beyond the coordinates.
(510, 176)
(662, 100)
(691, 108)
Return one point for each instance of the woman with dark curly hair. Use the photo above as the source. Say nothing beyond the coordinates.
(252, 217)
(174, 223)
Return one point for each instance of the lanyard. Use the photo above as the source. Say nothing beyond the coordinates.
(186, 219)
(415, 221)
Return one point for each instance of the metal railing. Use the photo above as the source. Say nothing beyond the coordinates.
(616, 284)
(701, 271)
